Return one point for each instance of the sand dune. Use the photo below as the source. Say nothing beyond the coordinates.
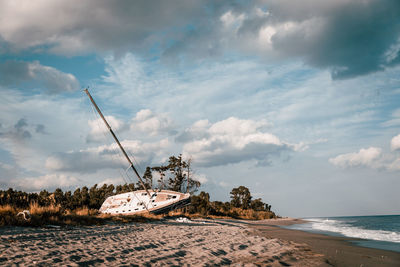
(200, 243)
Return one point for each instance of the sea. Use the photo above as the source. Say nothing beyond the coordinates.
(382, 232)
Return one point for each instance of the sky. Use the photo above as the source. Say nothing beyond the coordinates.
(297, 100)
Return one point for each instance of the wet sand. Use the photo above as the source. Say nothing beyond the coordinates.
(337, 251)
(169, 243)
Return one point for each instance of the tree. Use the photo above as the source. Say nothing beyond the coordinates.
(67, 201)
(110, 190)
(200, 204)
(58, 196)
(267, 207)
(118, 189)
(191, 184)
(85, 197)
(176, 167)
(241, 197)
(44, 198)
(257, 205)
(76, 198)
(161, 173)
(93, 197)
(125, 188)
(147, 179)
(179, 173)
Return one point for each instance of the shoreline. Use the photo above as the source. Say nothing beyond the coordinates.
(337, 251)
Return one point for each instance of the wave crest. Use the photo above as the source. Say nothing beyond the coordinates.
(348, 230)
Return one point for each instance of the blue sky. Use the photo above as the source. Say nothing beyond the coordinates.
(297, 101)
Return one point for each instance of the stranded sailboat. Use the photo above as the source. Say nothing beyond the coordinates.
(140, 201)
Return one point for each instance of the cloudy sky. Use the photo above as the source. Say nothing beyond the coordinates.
(297, 100)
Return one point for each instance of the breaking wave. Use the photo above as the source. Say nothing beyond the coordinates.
(347, 229)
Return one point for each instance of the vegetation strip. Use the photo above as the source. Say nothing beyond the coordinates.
(81, 207)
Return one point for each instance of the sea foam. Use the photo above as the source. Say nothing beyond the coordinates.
(345, 228)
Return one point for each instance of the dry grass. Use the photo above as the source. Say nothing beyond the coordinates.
(85, 211)
(7, 209)
(40, 216)
(35, 209)
(8, 215)
(55, 215)
(255, 215)
(236, 213)
(250, 214)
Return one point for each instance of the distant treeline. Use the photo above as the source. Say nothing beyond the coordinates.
(241, 202)
(82, 197)
(93, 198)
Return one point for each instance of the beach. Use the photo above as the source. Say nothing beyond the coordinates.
(195, 243)
(337, 251)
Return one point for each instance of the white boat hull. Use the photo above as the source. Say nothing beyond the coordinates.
(140, 202)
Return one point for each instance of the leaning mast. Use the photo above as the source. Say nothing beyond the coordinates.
(116, 140)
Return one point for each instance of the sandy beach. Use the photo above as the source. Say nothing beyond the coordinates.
(169, 243)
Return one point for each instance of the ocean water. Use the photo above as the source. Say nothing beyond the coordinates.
(381, 232)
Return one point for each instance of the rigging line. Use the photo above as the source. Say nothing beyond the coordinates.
(127, 175)
(117, 155)
(137, 165)
(123, 177)
(97, 118)
(106, 137)
(130, 155)
(118, 158)
(131, 180)
(116, 139)
(143, 202)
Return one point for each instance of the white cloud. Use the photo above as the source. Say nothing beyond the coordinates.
(395, 165)
(35, 126)
(98, 128)
(224, 184)
(153, 124)
(102, 157)
(197, 131)
(267, 29)
(392, 52)
(268, 92)
(49, 182)
(231, 141)
(372, 157)
(231, 20)
(395, 143)
(265, 36)
(365, 157)
(114, 181)
(53, 80)
(74, 27)
(202, 178)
